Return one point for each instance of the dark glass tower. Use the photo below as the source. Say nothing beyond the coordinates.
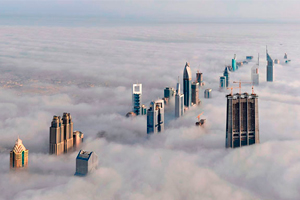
(187, 85)
(242, 127)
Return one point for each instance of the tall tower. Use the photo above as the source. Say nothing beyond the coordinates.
(68, 132)
(226, 74)
(199, 78)
(233, 63)
(179, 101)
(19, 155)
(242, 126)
(255, 74)
(195, 93)
(222, 82)
(137, 98)
(155, 117)
(187, 84)
(56, 145)
(270, 67)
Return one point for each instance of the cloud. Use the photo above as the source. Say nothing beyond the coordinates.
(45, 71)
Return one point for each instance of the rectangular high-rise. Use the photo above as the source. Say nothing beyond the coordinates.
(195, 93)
(56, 141)
(155, 117)
(270, 67)
(179, 102)
(86, 162)
(199, 78)
(242, 126)
(208, 93)
(68, 132)
(137, 98)
(187, 85)
(222, 82)
(18, 155)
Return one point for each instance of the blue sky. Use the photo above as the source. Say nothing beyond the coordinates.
(160, 10)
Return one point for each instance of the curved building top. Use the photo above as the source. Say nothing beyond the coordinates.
(187, 74)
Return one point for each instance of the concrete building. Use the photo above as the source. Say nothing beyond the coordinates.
(199, 78)
(208, 93)
(18, 155)
(242, 126)
(137, 98)
(68, 132)
(77, 139)
(179, 102)
(187, 85)
(233, 63)
(56, 141)
(195, 93)
(270, 67)
(155, 117)
(226, 74)
(86, 162)
(223, 82)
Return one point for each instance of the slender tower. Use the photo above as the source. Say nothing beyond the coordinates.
(255, 73)
(187, 85)
(68, 132)
(242, 126)
(155, 117)
(56, 145)
(19, 155)
(233, 64)
(179, 101)
(195, 93)
(137, 98)
(226, 74)
(270, 67)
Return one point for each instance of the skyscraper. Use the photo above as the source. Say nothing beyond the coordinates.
(208, 93)
(137, 98)
(255, 73)
(187, 84)
(155, 117)
(56, 145)
(226, 74)
(233, 63)
(242, 126)
(169, 92)
(199, 78)
(19, 155)
(86, 162)
(195, 93)
(179, 101)
(270, 66)
(77, 138)
(144, 110)
(222, 82)
(68, 132)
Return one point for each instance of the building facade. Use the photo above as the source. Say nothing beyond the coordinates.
(187, 85)
(77, 138)
(226, 74)
(195, 93)
(179, 102)
(233, 63)
(208, 93)
(86, 162)
(242, 125)
(137, 98)
(199, 78)
(223, 82)
(68, 132)
(270, 68)
(56, 139)
(169, 92)
(18, 155)
(155, 117)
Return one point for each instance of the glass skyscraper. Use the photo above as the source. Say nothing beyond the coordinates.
(155, 117)
(226, 74)
(187, 85)
(179, 102)
(270, 67)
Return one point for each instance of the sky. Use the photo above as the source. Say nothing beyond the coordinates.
(89, 72)
(160, 10)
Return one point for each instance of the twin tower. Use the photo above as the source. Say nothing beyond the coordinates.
(61, 134)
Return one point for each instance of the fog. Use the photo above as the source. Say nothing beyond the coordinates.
(89, 72)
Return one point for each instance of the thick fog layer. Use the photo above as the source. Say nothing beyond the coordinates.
(89, 72)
